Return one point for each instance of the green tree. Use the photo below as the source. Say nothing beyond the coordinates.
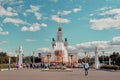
(114, 57)
(3, 56)
(106, 59)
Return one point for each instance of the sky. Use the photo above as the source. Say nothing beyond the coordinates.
(85, 23)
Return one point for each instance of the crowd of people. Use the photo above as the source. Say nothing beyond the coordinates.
(47, 65)
(34, 65)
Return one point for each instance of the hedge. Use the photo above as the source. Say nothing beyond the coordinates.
(110, 67)
(3, 66)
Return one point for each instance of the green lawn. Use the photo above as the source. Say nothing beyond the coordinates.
(3, 66)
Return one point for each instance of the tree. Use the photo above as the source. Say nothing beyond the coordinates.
(3, 57)
(114, 58)
(106, 59)
(87, 59)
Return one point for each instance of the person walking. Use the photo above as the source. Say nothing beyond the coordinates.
(17, 66)
(86, 68)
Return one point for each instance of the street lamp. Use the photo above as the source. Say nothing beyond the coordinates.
(109, 60)
(85, 57)
(29, 59)
(16, 56)
(33, 56)
(48, 57)
(103, 56)
(9, 63)
(23, 57)
(71, 62)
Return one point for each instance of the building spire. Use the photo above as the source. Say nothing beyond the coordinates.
(59, 23)
(59, 34)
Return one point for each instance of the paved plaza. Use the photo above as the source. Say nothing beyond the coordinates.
(77, 74)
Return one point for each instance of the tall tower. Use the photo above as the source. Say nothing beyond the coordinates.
(60, 46)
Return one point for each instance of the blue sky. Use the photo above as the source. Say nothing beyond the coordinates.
(33, 23)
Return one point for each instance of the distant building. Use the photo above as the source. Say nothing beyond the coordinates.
(60, 48)
(59, 54)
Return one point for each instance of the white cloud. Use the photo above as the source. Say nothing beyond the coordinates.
(30, 40)
(38, 15)
(3, 32)
(14, 21)
(76, 10)
(44, 50)
(116, 40)
(11, 53)
(34, 8)
(73, 49)
(90, 46)
(114, 44)
(7, 12)
(44, 25)
(3, 42)
(25, 14)
(111, 12)
(104, 8)
(91, 14)
(1, 50)
(104, 23)
(34, 27)
(35, 11)
(112, 20)
(63, 20)
(11, 2)
(65, 12)
(54, 1)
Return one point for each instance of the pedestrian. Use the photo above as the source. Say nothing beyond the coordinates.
(17, 66)
(86, 68)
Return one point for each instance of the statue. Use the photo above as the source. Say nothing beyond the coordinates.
(20, 62)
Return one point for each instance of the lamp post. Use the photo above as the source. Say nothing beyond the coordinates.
(71, 62)
(29, 59)
(48, 57)
(16, 57)
(9, 63)
(109, 60)
(33, 56)
(23, 58)
(103, 56)
(85, 57)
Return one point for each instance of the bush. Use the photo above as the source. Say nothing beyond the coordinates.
(110, 67)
